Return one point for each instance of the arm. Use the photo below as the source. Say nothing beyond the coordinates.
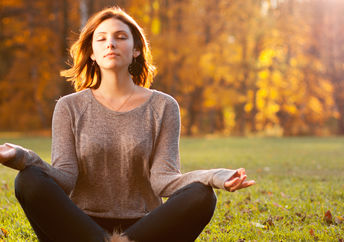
(64, 169)
(165, 174)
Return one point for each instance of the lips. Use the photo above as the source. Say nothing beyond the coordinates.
(111, 54)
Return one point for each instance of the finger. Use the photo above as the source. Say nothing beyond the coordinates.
(231, 182)
(4, 148)
(238, 184)
(243, 174)
(236, 174)
(246, 184)
(241, 171)
(233, 187)
(6, 153)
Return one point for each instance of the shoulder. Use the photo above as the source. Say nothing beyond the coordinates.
(165, 105)
(163, 100)
(75, 101)
(75, 97)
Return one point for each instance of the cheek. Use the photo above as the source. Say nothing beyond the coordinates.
(96, 49)
(130, 50)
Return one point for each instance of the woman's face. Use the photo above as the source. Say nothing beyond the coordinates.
(113, 45)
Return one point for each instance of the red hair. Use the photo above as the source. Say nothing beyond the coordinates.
(85, 73)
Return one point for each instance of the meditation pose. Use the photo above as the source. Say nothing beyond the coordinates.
(115, 151)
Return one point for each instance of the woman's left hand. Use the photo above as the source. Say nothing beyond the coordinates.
(238, 181)
(6, 153)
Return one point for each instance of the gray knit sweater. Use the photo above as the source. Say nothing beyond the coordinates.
(117, 164)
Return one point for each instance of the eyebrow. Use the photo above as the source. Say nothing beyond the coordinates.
(118, 31)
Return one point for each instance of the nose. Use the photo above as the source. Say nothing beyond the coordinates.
(111, 43)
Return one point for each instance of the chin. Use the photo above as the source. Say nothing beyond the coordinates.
(114, 67)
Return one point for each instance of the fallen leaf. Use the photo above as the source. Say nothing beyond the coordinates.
(283, 195)
(228, 216)
(269, 222)
(328, 217)
(311, 232)
(4, 186)
(338, 219)
(302, 216)
(248, 211)
(259, 225)
(267, 169)
(278, 218)
(266, 192)
(3, 233)
(262, 208)
(278, 205)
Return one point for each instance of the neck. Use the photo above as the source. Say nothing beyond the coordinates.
(115, 83)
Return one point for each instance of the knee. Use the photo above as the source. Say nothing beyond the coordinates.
(27, 183)
(204, 198)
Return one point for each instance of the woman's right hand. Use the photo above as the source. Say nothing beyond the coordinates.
(6, 153)
(238, 181)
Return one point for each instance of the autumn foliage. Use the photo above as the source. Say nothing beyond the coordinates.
(235, 67)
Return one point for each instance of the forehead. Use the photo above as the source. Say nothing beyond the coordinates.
(111, 25)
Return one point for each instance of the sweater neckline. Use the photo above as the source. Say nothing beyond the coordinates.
(142, 105)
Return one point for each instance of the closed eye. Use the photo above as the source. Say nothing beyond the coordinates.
(122, 36)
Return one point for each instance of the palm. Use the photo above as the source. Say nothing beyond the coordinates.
(238, 181)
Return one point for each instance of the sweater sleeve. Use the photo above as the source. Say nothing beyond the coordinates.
(166, 177)
(64, 168)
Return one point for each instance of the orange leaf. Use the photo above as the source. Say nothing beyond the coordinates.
(328, 217)
(339, 219)
(3, 233)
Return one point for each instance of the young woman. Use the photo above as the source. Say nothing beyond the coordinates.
(115, 151)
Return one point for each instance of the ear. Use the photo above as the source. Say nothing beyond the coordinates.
(136, 53)
(92, 57)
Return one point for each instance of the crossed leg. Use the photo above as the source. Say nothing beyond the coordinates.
(54, 217)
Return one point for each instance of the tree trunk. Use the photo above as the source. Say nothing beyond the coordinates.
(194, 108)
(65, 87)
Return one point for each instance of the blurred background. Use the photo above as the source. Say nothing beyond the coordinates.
(236, 67)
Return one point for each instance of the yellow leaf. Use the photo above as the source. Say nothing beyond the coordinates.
(248, 107)
(155, 26)
(315, 105)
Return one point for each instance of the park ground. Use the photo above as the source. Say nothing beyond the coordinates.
(299, 195)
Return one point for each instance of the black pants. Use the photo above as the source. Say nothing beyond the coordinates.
(54, 217)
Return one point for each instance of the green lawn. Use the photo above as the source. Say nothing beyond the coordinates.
(298, 181)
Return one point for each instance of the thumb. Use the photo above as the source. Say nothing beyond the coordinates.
(11, 152)
(7, 153)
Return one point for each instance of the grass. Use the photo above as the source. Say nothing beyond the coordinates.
(298, 181)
